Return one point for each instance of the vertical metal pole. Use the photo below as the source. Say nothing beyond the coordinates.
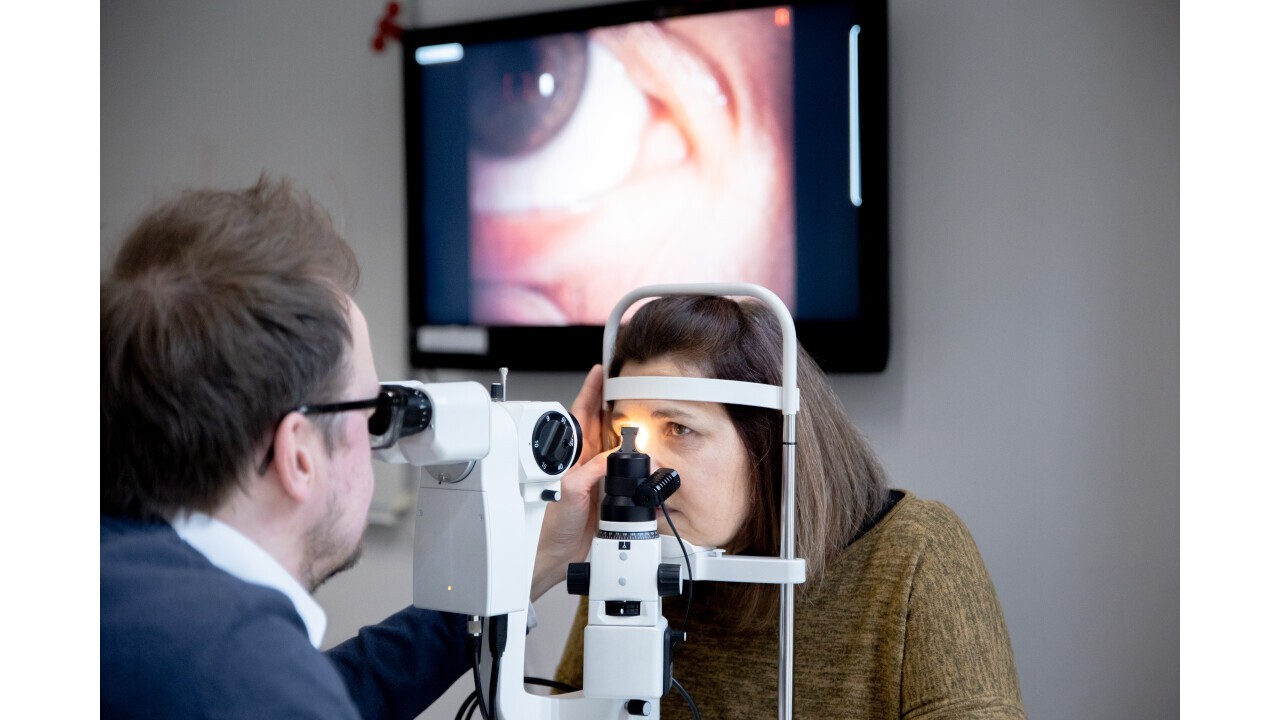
(790, 406)
(787, 601)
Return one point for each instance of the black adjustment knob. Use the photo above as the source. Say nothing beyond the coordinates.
(639, 707)
(554, 443)
(579, 578)
(668, 579)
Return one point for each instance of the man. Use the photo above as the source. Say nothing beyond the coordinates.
(237, 383)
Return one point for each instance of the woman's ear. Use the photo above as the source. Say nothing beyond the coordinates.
(297, 444)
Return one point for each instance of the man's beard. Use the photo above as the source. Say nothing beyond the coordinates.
(322, 546)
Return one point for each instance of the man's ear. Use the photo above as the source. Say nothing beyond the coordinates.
(297, 444)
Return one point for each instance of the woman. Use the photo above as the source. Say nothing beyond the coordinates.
(897, 617)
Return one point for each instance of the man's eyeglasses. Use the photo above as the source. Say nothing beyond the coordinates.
(392, 406)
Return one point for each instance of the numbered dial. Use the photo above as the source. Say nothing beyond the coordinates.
(555, 442)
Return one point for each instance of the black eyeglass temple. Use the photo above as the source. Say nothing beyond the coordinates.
(341, 406)
(326, 408)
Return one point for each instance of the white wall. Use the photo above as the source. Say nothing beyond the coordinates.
(1033, 376)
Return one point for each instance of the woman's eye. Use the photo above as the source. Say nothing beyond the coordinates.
(678, 429)
(555, 122)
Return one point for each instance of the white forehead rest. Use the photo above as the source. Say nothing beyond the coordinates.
(731, 392)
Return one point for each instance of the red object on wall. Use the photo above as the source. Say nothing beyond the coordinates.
(387, 27)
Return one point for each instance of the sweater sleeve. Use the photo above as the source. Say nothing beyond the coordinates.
(958, 659)
(397, 668)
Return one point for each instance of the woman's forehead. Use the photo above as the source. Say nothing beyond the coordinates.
(677, 410)
(664, 366)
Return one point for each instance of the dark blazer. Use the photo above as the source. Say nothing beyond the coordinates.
(181, 638)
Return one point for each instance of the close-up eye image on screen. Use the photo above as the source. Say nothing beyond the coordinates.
(625, 155)
(608, 148)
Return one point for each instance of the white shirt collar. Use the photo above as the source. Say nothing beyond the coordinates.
(228, 549)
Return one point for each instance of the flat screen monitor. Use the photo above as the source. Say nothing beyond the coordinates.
(560, 160)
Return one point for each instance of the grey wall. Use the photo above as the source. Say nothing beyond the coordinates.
(1033, 378)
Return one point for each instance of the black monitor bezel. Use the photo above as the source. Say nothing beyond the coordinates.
(857, 345)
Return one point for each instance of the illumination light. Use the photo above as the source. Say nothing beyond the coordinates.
(642, 438)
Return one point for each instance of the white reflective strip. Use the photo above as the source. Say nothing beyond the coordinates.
(436, 54)
(732, 392)
(855, 132)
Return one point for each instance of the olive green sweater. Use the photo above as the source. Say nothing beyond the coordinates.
(905, 625)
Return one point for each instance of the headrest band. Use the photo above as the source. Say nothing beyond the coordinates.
(730, 392)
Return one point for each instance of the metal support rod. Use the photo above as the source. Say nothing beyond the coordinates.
(790, 401)
(788, 551)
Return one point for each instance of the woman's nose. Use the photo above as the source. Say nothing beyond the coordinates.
(657, 457)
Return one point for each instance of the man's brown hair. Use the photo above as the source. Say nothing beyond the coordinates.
(222, 311)
(840, 484)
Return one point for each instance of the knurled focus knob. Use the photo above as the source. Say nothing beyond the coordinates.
(580, 578)
(668, 579)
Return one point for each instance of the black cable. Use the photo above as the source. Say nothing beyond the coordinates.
(553, 684)
(468, 707)
(493, 686)
(693, 707)
(689, 601)
(475, 675)
(497, 646)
